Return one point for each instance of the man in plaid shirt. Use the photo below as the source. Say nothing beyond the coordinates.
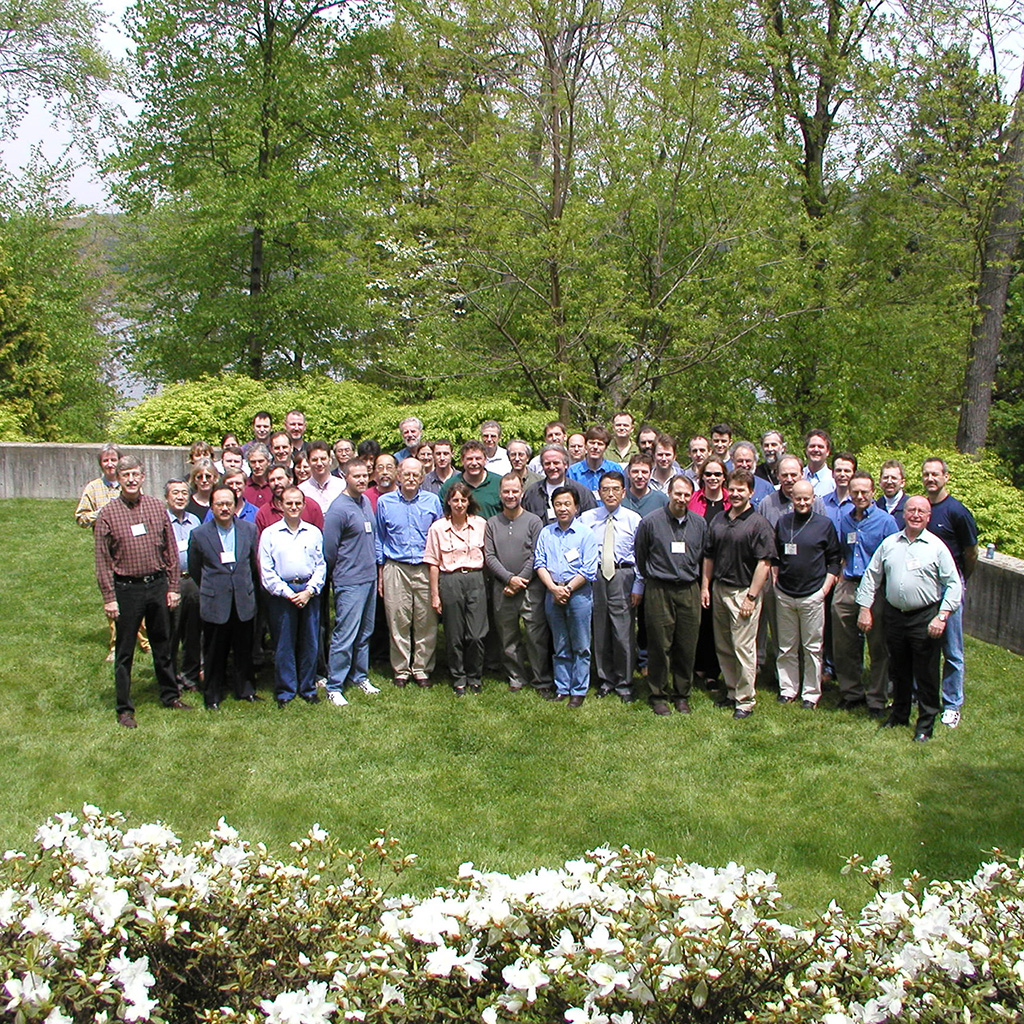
(138, 575)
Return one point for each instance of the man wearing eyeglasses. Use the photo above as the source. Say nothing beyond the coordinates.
(922, 589)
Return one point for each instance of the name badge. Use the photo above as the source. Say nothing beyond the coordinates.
(789, 549)
(183, 544)
(572, 554)
(138, 529)
(679, 547)
(913, 564)
(851, 538)
(551, 513)
(227, 557)
(367, 527)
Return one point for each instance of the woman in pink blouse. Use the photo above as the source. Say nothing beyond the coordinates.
(455, 554)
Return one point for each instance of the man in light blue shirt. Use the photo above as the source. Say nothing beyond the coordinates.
(566, 562)
(403, 578)
(186, 625)
(817, 448)
(617, 588)
(594, 465)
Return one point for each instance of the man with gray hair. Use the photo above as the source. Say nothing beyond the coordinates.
(411, 429)
(744, 456)
(773, 446)
(497, 460)
(554, 460)
(519, 454)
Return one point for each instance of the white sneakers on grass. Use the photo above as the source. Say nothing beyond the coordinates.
(367, 687)
(337, 698)
(951, 717)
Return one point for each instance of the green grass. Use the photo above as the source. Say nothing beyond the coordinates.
(505, 780)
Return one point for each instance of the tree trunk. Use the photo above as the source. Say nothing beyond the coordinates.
(1000, 246)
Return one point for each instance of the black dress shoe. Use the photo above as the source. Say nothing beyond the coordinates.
(603, 691)
(252, 698)
(213, 707)
(476, 687)
(742, 712)
(683, 706)
(783, 699)
(849, 705)
(725, 702)
(460, 691)
(876, 712)
(282, 703)
(894, 723)
(576, 702)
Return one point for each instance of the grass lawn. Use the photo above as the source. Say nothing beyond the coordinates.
(505, 780)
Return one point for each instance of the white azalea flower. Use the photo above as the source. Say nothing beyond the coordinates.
(58, 1016)
(606, 979)
(440, 961)
(601, 943)
(525, 977)
(585, 1015)
(391, 994)
(28, 990)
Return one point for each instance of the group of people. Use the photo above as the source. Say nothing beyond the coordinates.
(573, 571)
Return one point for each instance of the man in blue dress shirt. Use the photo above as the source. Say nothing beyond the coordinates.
(566, 562)
(186, 625)
(403, 578)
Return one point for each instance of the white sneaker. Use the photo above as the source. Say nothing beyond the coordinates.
(337, 698)
(321, 682)
(367, 687)
(951, 717)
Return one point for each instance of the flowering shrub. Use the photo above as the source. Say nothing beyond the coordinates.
(106, 922)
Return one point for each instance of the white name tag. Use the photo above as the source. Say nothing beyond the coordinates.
(679, 547)
(551, 513)
(138, 529)
(851, 538)
(227, 557)
(183, 544)
(368, 527)
(789, 549)
(572, 554)
(913, 564)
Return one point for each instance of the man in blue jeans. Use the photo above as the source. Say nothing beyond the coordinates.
(954, 525)
(566, 562)
(349, 533)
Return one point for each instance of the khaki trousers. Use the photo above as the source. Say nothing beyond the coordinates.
(412, 622)
(848, 646)
(736, 643)
(801, 628)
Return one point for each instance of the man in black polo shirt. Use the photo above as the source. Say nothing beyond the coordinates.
(738, 560)
(807, 563)
(670, 545)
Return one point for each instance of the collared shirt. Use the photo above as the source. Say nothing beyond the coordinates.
(671, 550)
(286, 555)
(567, 553)
(98, 494)
(834, 508)
(591, 478)
(622, 458)
(402, 525)
(451, 548)
(509, 545)
(433, 483)
(227, 541)
(270, 514)
(917, 573)
(498, 462)
(823, 480)
(350, 529)
(762, 489)
(860, 537)
(625, 523)
(537, 498)
(895, 507)
(737, 544)
(134, 540)
(182, 528)
(258, 495)
(248, 512)
(650, 502)
(487, 493)
(322, 495)
(659, 485)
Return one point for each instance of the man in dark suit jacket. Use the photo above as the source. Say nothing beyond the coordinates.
(222, 561)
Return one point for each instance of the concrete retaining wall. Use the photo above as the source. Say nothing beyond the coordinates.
(995, 595)
(995, 602)
(62, 470)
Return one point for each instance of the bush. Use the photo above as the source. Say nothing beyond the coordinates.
(104, 921)
(210, 407)
(983, 486)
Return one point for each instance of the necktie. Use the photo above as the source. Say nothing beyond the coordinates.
(608, 549)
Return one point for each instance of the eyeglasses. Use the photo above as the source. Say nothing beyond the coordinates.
(712, 472)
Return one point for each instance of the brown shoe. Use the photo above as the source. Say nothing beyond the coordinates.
(179, 705)
(399, 681)
(659, 707)
(576, 702)
(127, 719)
(683, 706)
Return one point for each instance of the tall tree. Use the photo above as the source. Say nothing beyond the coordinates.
(242, 173)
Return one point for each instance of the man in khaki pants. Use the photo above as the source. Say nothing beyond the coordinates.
(740, 552)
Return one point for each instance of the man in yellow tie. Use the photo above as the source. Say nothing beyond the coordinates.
(617, 589)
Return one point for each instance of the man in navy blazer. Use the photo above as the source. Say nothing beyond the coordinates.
(222, 561)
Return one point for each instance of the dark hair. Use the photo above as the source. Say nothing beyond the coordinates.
(472, 446)
(597, 433)
(742, 476)
(722, 428)
(863, 474)
(262, 414)
(318, 446)
(441, 441)
(368, 449)
(354, 462)
(612, 474)
(559, 491)
(846, 457)
(281, 465)
(714, 460)
(665, 441)
(281, 433)
(640, 457)
(223, 487)
(230, 433)
(233, 448)
(464, 489)
(823, 434)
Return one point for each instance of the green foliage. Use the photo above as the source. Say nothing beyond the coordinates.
(211, 406)
(984, 486)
